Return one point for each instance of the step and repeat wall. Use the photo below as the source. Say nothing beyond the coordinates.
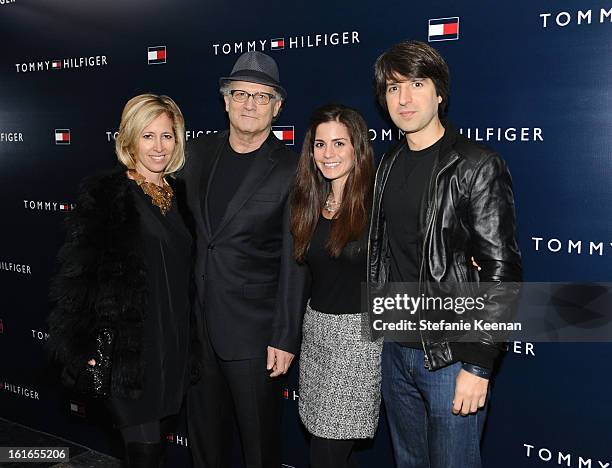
(532, 78)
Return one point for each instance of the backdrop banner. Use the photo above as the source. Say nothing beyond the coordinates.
(531, 78)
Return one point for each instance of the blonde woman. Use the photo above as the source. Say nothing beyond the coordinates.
(125, 267)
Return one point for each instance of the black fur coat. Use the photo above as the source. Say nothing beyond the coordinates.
(102, 283)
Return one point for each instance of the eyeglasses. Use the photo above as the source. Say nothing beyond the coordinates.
(238, 95)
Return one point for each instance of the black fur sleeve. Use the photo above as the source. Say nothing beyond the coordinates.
(72, 322)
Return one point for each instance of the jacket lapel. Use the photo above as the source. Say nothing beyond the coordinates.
(262, 166)
(206, 176)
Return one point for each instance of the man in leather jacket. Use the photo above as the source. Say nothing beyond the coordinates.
(443, 212)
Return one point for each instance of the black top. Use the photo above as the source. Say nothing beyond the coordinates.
(166, 247)
(336, 282)
(404, 193)
(229, 174)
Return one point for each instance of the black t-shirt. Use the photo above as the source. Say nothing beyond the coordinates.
(229, 174)
(336, 282)
(405, 190)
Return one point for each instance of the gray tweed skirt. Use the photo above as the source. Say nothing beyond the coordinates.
(339, 377)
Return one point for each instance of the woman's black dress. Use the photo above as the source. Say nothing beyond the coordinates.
(166, 247)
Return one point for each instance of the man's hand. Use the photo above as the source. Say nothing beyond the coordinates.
(470, 393)
(278, 361)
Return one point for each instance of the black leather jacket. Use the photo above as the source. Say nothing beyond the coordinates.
(467, 212)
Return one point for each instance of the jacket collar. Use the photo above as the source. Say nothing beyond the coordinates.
(270, 145)
(267, 158)
(449, 139)
(448, 142)
(273, 145)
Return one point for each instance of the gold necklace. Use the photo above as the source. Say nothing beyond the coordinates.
(161, 195)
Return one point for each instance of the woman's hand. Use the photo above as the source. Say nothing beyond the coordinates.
(91, 362)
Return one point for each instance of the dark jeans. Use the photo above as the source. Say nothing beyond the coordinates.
(424, 431)
(241, 389)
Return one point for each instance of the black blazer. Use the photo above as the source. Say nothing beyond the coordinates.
(251, 290)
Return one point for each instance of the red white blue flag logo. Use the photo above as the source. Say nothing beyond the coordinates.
(62, 136)
(156, 55)
(56, 65)
(277, 44)
(285, 134)
(443, 29)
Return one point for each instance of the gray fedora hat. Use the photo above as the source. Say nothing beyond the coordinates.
(256, 67)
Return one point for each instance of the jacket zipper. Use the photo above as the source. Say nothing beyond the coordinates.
(383, 183)
(427, 231)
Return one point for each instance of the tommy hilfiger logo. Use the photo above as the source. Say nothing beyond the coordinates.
(178, 439)
(570, 246)
(15, 267)
(287, 394)
(35, 205)
(40, 335)
(578, 18)
(12, 137)
(62, 136)
(189, 134)
(277, 44)
(443, 29)
(510, 134)
(62, 64)
(19, 390)
(156, 55)
(285, 133)
(291, 42)
(564, 458)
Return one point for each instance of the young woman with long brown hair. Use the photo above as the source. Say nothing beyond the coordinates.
(339, 368)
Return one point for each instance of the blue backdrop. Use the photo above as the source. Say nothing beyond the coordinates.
(531, 78)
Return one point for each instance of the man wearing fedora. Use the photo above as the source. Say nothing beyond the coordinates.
(251, 292)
